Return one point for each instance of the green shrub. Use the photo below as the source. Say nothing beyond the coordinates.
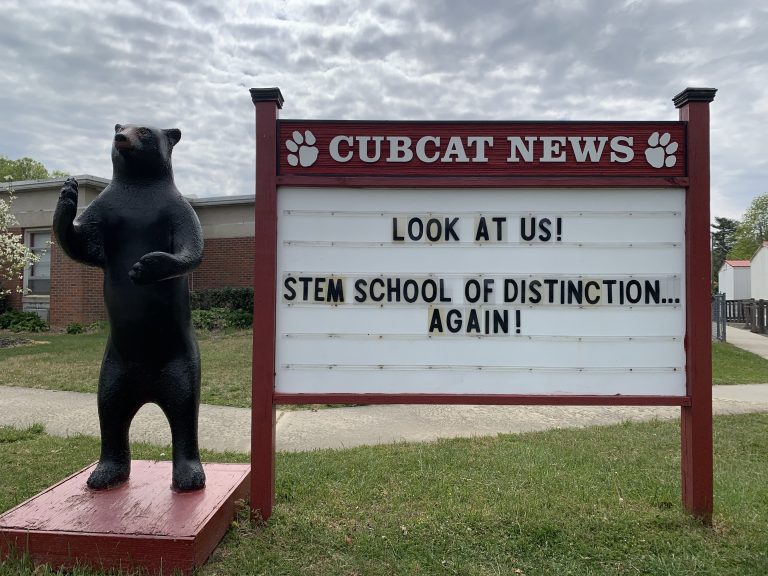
(240, 318)
(220, 318)
(229, 298)
(75, 328)
(220, 308)
(98, 326)
(3, 303)
(206, 320)
(22, 322)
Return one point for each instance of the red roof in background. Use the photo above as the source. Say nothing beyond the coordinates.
(740, 263)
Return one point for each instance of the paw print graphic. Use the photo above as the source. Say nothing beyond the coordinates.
(660, 151)
(302, 148)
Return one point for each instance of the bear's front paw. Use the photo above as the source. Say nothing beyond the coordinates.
(138, 273)
(152, 267)
(145, 271)
(69, 191)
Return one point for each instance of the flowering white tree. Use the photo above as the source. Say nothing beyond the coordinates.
(14, 256)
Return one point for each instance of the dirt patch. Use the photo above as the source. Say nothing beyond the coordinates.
(13, 342)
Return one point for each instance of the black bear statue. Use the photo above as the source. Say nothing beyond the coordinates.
(146, 237)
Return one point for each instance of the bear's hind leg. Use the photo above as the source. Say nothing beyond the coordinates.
(188, 471)
(180, 402)
(117, 408)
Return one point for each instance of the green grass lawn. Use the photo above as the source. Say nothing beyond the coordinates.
(732, 365)
(603, 500)
(71, 362)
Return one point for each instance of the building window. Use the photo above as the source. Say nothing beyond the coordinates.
(37, 277)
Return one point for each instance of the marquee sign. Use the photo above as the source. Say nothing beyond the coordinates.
(485, 262)
(480, 291)
(477, 290)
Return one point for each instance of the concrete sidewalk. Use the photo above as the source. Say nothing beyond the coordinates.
(755, 343)
(222, 428)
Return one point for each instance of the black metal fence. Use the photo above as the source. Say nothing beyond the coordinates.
(719, 316)
(757, 314)
(735, 311)
(753, 314)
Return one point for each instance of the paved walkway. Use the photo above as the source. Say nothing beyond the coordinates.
(755, 343)
(224, 428)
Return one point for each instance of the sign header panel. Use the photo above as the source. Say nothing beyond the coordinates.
(481, 149)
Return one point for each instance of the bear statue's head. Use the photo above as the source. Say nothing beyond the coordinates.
(142, 151)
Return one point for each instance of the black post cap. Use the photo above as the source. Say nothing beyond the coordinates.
(267, 95)
(694, 95)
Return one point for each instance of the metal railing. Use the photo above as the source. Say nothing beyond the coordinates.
(735, 311)
(757, 312)
(753, 314)
(719, 317)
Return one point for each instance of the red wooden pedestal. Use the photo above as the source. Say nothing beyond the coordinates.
(142, 523)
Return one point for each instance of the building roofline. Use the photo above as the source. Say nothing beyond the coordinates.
(763, 244)
(738, 263)
(99, 182)
(222, 200)
(19, 185)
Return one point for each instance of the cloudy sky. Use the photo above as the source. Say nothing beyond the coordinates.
(70, 70)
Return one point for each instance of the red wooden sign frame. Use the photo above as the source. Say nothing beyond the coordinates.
(691, 172)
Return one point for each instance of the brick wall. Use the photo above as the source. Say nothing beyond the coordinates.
(76, 291)
(227, 262)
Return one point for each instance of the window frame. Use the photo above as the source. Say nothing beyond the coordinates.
(29, 234)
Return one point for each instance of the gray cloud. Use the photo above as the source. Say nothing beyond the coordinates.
(71, 70)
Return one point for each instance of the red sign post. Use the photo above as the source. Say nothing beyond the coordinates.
(345, 292)
(696, 419)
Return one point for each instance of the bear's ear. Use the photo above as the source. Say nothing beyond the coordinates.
(118, 127)
(174, 135)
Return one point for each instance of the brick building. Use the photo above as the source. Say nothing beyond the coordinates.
(62, 291)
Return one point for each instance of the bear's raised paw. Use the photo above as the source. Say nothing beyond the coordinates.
(69, 191)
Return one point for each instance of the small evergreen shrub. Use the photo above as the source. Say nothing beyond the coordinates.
(221, 318)
(240, 318)
(75, 328)
(206, 320)
(230, 298)
(98, 326)
(16, 321)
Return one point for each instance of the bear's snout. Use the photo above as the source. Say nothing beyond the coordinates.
(122, 141)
